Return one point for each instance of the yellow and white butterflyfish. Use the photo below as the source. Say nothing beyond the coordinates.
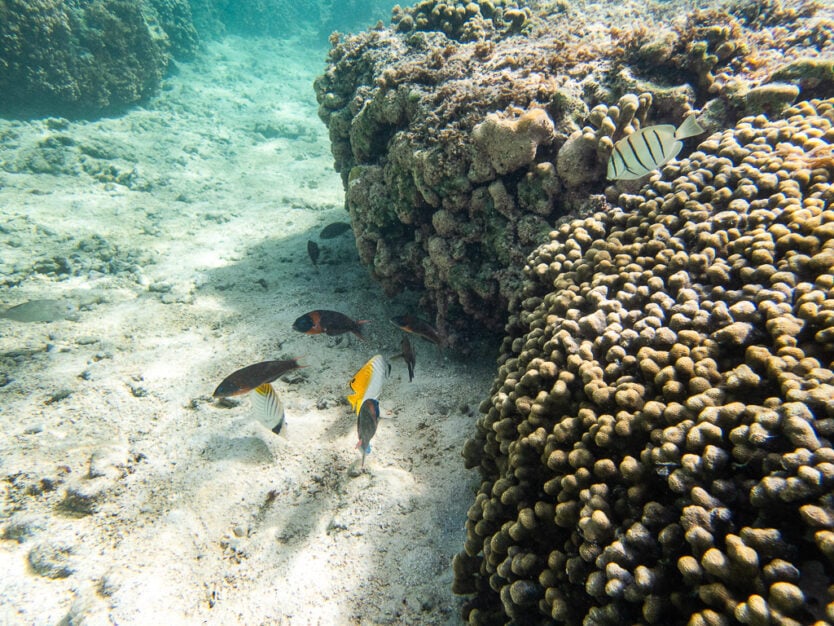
(367, 382)
(649, 148)
(267, 407)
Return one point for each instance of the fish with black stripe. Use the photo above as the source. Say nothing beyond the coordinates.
(649, 148)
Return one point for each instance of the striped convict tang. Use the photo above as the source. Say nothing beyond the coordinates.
(649, 148)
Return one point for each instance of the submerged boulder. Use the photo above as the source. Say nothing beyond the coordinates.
(465, 130)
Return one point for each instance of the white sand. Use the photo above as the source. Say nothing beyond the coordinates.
(128, 495)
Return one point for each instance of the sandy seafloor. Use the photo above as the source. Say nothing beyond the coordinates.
(176, 234)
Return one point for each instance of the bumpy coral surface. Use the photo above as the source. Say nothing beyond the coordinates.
(464, 21)
(658, 444)
(466, 129)
(80, 58)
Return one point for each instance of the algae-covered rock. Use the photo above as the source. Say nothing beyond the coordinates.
(772, 98)
(440, 102)
(512, 143)
(811, 74)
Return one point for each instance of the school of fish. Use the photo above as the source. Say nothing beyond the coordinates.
(365, 385)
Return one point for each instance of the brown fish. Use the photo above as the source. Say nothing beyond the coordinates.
(334, 230)
(253, 376)
(366, 424)
(421, 328)
(407, 355)
(329, 323)
(313, 251)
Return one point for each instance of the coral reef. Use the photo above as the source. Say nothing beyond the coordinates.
(658, 444)
(81, 58)
(418, 114)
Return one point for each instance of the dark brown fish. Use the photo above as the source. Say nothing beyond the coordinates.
(366, 424)
(334, 230)
(252, 376)
(313, 251)
(421, 328)
(329, 323)
(408, 356)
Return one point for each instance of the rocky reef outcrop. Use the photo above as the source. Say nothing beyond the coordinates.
(465, 129)
(80, 58)
(657, 447)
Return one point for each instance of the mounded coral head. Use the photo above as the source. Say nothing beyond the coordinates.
(658, 444)
(464, 21)
(583, 157)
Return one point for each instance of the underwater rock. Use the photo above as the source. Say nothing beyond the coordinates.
(83, 497)
(512, 143)
(771, 99)
(657, 447)
(447, 186)
(22, 527)
(88, 608)
(810, 74)
(110, 461)
(52, 559)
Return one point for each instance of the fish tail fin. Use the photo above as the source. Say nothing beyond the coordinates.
(358, 330)
(281, 428)
(410, 370)
(688, 128)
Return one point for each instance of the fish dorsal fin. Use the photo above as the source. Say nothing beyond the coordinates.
(367, 382)
(688, 128)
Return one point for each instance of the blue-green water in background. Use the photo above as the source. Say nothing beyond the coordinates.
(281, 18)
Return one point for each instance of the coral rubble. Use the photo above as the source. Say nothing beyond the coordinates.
(464, 130)
(658, 444)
